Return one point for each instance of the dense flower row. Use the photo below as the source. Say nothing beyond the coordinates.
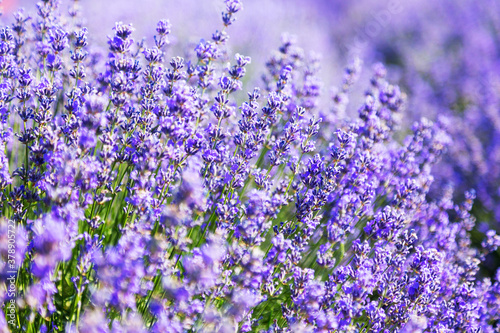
(149, 193)
(445, 54)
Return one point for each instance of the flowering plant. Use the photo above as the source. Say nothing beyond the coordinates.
(145, 192)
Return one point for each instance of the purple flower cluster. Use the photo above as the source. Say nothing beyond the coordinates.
(149, 193)
(446, 55)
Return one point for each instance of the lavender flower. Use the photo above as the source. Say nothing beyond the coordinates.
(145, 192)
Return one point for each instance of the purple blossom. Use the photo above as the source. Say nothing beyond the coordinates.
(142, 191)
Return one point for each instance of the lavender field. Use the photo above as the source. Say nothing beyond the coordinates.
(250, 166)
